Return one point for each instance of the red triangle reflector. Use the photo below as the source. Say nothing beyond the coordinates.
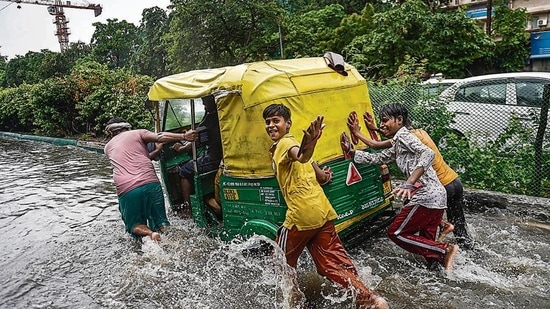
(353, 175)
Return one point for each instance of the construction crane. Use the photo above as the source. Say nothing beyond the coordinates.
(55, 8)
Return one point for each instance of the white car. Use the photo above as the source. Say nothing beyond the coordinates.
(484, 105)
(436, 84)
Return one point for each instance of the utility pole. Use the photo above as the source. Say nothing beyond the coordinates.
(489, 16)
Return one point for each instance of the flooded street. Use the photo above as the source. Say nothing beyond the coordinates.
(64, 246)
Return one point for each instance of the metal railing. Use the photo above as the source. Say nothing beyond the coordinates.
(494, 134)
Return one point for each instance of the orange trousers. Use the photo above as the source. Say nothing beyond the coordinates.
(329, 255)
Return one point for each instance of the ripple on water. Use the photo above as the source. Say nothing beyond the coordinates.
(64, 246)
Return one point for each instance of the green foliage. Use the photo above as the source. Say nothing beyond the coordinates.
(80, 103)
(105, 93)
(3, 63)
(452, 43)
(511, 40)
(352, 26)
(217, 33)
(34, 67)
(52, 106)
(302, 6)
(15, 112)
(505, 165)
(312, 33)
(23, 69)
(114, 42)
(448, 41)
(150, 57)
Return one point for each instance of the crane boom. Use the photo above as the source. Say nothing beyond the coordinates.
(55, 8)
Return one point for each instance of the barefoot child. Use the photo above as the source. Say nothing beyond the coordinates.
(414, 229)
(309, 217)
(446, 175)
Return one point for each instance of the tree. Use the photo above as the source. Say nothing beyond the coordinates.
(3, 64)
(353, 26)
(312, 33)
(453, 42)
(449, 42)
(150, 57)
(53, 107)
(218, 33)
(115, 42)
(34, 67)
(28, 68)
(102, 93)
(304, 6)
(511, 41)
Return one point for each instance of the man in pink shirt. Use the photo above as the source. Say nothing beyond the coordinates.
(140, 196)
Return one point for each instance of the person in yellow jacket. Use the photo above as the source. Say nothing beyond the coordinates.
(309, 219)
(446, 175)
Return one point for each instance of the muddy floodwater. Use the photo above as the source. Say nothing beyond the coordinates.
(63, 246)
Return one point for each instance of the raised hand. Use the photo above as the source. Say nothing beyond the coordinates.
(354, 128)
(315, 129)
(328, 173)
(369, 121)
(312, 134)
(346, 145)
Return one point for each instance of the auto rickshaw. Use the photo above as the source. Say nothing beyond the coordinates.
(250, 196)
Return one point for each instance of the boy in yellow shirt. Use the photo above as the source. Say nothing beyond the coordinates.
(309, 220)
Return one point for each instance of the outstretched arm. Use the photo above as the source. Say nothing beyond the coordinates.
(165, 137)
(323, 175)
(182, 146)
(309, 141)
(153, 154)
(355, 130)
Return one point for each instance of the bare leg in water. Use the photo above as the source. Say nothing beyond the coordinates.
(448, 261)
(186, 194)
(144, 230)
(445, 228)
(215, 206)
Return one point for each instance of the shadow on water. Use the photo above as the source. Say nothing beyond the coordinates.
(64, 247)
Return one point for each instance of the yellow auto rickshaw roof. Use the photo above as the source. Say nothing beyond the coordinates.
(307, 86)
(250, 78)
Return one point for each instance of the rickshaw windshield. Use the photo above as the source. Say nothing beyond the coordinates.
(176, 113)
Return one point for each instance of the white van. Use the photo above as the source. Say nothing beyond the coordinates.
(484, 105)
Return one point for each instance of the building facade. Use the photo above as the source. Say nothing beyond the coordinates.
(537, 26)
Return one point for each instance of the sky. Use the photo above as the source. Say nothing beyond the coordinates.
(31, 27)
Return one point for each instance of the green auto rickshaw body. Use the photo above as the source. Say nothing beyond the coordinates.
(250, 196)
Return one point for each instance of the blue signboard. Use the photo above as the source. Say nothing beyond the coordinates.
(479, 11)
(540, 45)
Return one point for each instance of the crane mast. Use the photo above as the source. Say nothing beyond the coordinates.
(55, 8)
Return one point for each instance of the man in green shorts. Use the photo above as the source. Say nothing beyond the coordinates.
(140, 196)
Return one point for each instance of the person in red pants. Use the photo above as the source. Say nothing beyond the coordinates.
(446, 175)
(414, 228)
